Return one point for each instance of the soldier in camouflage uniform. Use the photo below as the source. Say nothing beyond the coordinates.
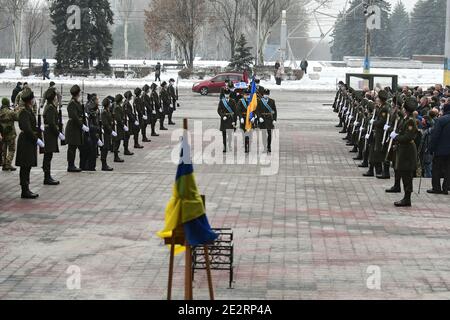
(7, 118)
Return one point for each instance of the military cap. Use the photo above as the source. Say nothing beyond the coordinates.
(128, 95)
(383, 95)
(75, 90)
(226, 91)
(172, 80)
(247, 91)
(52, 84)
(154, 86)
(5, 102)
(106, 102)
(50, 94)
(27, 95)
(410, 104)
(146, 88)
(267, 92)
(137, 91)
(119, 98)
(163, 84)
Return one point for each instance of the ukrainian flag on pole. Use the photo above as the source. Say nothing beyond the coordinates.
(186, 205)
(253, 103)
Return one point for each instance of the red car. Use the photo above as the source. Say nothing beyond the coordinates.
(215, 84)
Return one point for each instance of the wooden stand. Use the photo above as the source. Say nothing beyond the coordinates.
(178, 238)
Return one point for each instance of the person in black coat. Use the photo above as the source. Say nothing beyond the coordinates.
(228, 117)
(119, 125)
(94, 134)
(108, 129)
(266, 112)
(173, 101)
(165, 102)
(150, 109)
(51, 135)
(75, 128)
(16, 92)
(440, 147)
(45, 69)
(27, 144)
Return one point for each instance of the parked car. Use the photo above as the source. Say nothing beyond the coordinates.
(215, 84)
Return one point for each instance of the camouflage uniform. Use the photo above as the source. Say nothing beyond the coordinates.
(7, 119)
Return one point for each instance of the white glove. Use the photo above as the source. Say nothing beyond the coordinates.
(242, 120)
(274, 122)
(261, 120)
(100, 143)
(348, 113)
(42, 128)
(234, 124)
(253, 120)
(350, 118)
(114, 134)
(62, 137)
(40, 143)
(144, 117)
(153, 112)
(225, 118)
(394, 135)
(103, 131)
(367, 136)
(87, 116)
(85, 128)
(125, 128)
(372, 122)
(386, 127)
(160, 110)
(345, 109)
(361, 129)
(136, 123)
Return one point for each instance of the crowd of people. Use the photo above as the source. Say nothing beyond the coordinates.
(407, 129)
(93, 128)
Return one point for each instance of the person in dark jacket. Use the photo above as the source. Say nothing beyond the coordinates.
(45, 69)
(440, 147)
(228, 116)
(51, 136)
(93, 138)
(16, 92)
(120, 122)
(158, 72)
(107, 124)
(75, 128)
(27, 144)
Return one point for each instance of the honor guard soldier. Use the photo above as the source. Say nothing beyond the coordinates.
(27, 143)
(129, 122)
(228, 117)
(141, 112)
(119, 121)
(93, 141)
(173, 99)
(51, 135)
(165, 102)
(75, 128)
(406, 156)
(107, 127)
(266, 113)
(241, 111)
(156, 101)
(150, 110)
(7, 118)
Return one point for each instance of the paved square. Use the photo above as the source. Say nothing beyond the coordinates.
(313, 231)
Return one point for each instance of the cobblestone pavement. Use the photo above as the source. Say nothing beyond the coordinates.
(316, 230)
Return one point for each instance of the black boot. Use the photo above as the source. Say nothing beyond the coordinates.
(27, 194)
(127, 152)
(117, 158)
(73, 169)
(386, 175)
(360, 155)
(396, 188)
(105, 166)
(355, 150)
(406, 202)
(378, 169)
(370, 173)
(49, 181)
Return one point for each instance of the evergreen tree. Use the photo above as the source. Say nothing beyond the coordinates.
(349, 33)
(427, 28)
(93, 41)
(399, 22)
(242, 58)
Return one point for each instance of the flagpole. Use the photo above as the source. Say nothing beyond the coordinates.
(258, 27)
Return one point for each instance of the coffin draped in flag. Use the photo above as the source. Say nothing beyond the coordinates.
(252, 105)
(186, 207)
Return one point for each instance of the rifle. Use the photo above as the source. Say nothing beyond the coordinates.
(176, 93)
(39, 124)
(60, 118)
(385, 131)
(361, 128)
(100, 124)
(370, 129)
(354, 127)
(391, 141)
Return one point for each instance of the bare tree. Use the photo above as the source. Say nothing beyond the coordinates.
(181, 19)
(15, 10)
(36, 23)
(230, 12)
(125, 7)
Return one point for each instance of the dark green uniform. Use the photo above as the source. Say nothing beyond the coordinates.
(7, 119)
(119, 121)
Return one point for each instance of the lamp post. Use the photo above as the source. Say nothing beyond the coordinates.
(447, 48)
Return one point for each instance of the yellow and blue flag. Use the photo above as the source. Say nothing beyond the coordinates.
(186, 206)
(253, 103)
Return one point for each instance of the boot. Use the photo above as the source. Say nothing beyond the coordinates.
(370, 173)
(163, 129)
(378, 169)
(354, 150)
(73, 169)
(126, 150)
(386, 171)
(27, 194)
(406, 202)
(128, 153)
(154, 134)
(49, 181)
(138, 146)
(396, 188)
(145, 139)
(105, 166)
(117, 159)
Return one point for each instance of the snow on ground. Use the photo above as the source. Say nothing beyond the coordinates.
(328, 77)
